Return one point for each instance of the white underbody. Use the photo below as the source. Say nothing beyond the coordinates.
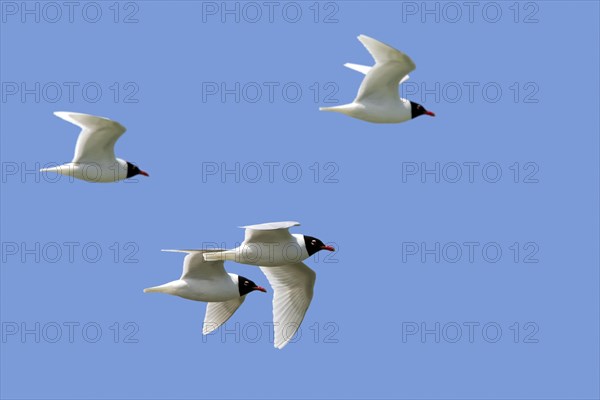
(268, 254)
(383, 112)
(93, 171)
(207, 290)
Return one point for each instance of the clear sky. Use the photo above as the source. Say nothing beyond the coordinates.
(468, 243)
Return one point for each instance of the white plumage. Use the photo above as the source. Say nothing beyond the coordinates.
(279, 255)
(209, 282)
(94, 159)
(378, 99)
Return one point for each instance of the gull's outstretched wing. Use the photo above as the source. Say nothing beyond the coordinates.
(382, 80)
(96, 141)
(292, 293)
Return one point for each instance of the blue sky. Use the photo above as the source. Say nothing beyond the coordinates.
(468, 243)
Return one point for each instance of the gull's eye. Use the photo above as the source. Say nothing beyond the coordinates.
(246, 283)
(314, 242)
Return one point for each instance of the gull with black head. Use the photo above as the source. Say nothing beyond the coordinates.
(94, 159)
(378, 99)
(209, 282)
(279, 254)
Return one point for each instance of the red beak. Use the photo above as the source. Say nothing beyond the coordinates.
(327, 248)
(143, 173)
(431, 114)
(260, 288)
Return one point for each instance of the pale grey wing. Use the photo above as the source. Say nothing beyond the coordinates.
(382, 80)
(269, 232)
(383, 53)
(195, 267)
(292, 293)
(218, 313)
(96, 141)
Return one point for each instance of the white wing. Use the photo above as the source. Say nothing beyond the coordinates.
(382, 80)
(364, 69)
(269, 232)
(218, 313)
(195, 267)
(293, 290)
(96, 141)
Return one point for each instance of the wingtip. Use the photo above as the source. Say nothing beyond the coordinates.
(63, 114)
(280, 346)
(189, 251)
(207, 329)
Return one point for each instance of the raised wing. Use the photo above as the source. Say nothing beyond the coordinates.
(382, 52)
(218, 313)
(293, 290)
(269, 232)
(96, 141)
(382, 80)
(195, 267)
